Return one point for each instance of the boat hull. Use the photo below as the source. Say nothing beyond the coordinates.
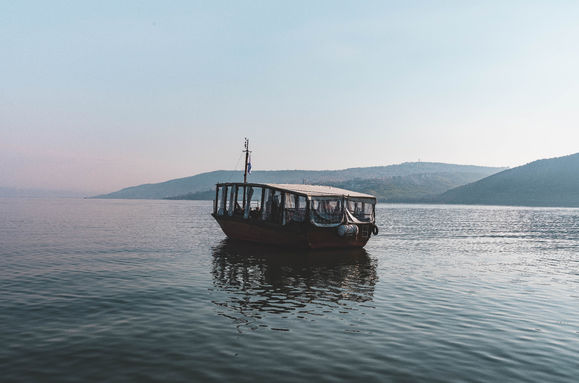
(304, 235)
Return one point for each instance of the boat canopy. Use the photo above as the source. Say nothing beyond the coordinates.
(320, 191)
(308, 190)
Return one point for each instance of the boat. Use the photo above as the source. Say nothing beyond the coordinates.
(294, 215)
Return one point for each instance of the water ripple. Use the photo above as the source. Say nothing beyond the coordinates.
(104, 290)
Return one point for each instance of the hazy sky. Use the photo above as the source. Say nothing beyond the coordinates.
(100, 95)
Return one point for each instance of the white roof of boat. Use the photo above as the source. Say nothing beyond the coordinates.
(319, 190)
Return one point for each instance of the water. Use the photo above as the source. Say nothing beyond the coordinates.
(111, 290)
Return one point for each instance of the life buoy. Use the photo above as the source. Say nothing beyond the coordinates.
(375, 230)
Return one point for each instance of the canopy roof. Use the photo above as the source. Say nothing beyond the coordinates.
(309, 190)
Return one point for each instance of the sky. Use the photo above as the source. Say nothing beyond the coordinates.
(100, 95)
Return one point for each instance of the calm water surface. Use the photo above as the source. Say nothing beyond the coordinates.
(112, 290)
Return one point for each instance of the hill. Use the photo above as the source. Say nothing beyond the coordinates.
(547, 182)
(449, 176)
(410, 188)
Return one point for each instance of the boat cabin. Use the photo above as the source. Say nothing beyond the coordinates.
(310, 215)
(323, 206)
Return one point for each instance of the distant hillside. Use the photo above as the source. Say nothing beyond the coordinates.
(410, 188)
(549, 182)
(197, 196)
(206, 181)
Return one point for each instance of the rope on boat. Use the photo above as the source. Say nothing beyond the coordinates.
(235, 169)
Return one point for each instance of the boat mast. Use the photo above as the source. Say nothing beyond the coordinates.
(246, 150)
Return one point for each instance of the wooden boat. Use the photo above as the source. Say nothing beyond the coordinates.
(308, 216)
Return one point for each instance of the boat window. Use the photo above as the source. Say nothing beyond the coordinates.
(221, 200)
(230, 200)
(266, 211)
(238, 200)
(253, 206)
(295, 208)
(326, 211)
(362, 209)
(273, 206)
(368, 210)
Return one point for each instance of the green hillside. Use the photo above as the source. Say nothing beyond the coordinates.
(426, 179)
(410, 188)
(206, 195)
(206, 181)
(403, 182)
(548, 182)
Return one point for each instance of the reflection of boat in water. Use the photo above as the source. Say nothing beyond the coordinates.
(263, 279)
(307, 216)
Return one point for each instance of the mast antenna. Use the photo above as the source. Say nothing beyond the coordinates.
(246, 151)
(247, 167)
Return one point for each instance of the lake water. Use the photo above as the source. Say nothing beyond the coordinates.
(113, 291)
